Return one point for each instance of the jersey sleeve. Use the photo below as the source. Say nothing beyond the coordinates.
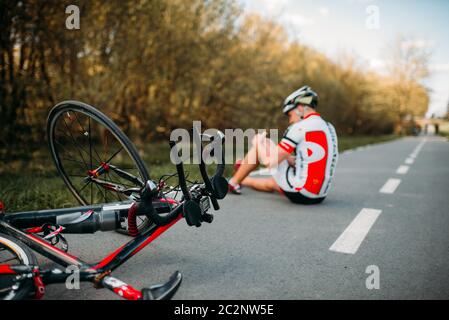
(292, 137)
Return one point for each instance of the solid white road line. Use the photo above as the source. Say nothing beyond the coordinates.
(409, 160)
(351, 239)
(390, 186)
(402, 169)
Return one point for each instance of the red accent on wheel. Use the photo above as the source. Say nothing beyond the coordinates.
(105, 166)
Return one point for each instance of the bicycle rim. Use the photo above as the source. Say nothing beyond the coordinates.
(83, 140)
(14, 253)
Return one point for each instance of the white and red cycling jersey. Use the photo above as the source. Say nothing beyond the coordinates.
(315, 143)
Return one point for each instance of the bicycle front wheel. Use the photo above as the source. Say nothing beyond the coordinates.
(96, 160)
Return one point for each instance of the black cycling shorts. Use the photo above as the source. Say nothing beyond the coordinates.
(297, 197)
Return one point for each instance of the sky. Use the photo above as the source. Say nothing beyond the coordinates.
(366, 28)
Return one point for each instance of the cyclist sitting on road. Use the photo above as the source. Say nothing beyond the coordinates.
(306, 177)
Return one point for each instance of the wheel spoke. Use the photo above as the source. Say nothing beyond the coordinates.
(102, 192)
(82, 133)
(89, 133)
(114, 155)
(69, 154)
(71, 160)
(82, 144)
(77, 176)
(10, 259)
(74, 140)
(120, 179)
(90, 154)
(90, 146)
(116, 193)
(105, 146)
(85, 186)
(91, 194)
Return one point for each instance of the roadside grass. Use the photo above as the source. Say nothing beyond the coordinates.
(35, 185)
(349, 142)
(444, 134)
(444, 130)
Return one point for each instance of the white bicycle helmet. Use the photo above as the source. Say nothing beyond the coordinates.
(305, 96)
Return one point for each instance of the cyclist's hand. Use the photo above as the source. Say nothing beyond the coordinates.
(291, 161)
(259, 139)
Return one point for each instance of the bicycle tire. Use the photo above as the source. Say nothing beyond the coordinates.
(25, 257)
(102, 119)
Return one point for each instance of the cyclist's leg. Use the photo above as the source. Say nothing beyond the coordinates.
(262, 184)
(252, 159)
(242, 170)
(248, 164)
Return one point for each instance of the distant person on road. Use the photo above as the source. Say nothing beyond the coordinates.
(304, 161)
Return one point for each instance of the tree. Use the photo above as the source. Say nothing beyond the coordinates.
(155, 65)
(447, 111)
(408, 65)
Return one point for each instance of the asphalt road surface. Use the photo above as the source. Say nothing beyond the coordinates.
(382, 233)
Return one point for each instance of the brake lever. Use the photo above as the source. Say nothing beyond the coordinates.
(181, 174)
(219, 183)
(207, 181)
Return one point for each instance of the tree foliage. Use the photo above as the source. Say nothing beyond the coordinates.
(155, 65)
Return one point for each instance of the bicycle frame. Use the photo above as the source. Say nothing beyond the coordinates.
(97, 272)
(192, 208)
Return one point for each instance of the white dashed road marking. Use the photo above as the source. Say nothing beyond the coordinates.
(351, 239)
(418, 148)
(411, 158)
(390, 186)
(353, 236)
(402, 169)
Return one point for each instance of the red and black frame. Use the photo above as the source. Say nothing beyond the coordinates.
(162, 211)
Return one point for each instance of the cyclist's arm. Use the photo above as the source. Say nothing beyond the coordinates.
(269, 154)
(276, 158)
(292, 136)
(291, 161)
(276, 154)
